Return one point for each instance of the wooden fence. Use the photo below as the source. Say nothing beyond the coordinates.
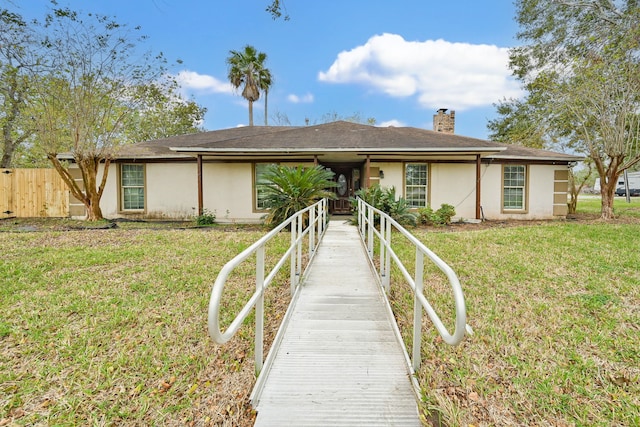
(29, 193)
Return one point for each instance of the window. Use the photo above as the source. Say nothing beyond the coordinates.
(415, 189)
(514, 187)
(132, 183)
(259, 170)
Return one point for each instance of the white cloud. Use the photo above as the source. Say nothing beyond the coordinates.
(202, 83)
(305, 99)
(393, 122)
(440, 74)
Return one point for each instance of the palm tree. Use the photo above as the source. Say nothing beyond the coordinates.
(265, 81)
(246, 68)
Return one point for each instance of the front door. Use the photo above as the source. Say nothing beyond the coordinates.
(344, 189)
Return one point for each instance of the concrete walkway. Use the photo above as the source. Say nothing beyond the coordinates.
(340, 362)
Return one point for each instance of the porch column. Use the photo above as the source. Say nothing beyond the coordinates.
(315, 160)
(367, 172)
(478, 186)
(200, 198)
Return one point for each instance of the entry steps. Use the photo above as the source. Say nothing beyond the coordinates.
(340, 361)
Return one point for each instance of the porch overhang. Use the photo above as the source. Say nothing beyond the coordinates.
(338, 155)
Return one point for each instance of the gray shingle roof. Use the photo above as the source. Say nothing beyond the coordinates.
(330, 137)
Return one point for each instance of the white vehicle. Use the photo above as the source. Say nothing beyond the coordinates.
(634, 184)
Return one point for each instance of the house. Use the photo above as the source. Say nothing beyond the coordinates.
(177, 177)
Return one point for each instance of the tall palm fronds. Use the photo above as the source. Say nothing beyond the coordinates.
(247, 69)
(265, 81)
(287, 190)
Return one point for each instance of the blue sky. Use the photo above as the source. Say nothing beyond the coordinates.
(397, 62)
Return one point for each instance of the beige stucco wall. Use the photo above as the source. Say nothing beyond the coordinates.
(228, 191)
(539, 197)
(455, 184)
(171, 190)
(393, 175)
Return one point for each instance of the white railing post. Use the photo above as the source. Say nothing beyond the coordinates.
(259, 344)
(360, 221)
(383, 272)
(299, 237)
(292, 278)
(320, 219)
(417, 310)
(312, 230)
(370, 227)
(387, 262)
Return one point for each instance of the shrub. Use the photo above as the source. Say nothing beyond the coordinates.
(445, 213)
(426, 215)
(206, 218)
(386, 201)
(442, 216)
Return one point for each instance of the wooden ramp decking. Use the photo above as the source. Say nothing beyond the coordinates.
(340, 362)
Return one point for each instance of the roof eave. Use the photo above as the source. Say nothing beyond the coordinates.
(343, 150)
(566, 158)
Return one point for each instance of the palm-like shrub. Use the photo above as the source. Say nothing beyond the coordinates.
(387, 201)
(286, 190)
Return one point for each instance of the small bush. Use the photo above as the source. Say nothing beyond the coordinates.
(206, 218)
(445, 213)
(426, 215)
(442, 216)
(386, 201)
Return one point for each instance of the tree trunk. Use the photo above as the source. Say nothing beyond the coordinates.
(266, 120)
(89, 168)
(250, 113)
(91, 195)
(7, 155)
(607, 191)
(94, 212)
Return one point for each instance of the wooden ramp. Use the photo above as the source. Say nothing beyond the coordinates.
(340, 362)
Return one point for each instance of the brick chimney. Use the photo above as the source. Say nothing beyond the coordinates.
(443, 122)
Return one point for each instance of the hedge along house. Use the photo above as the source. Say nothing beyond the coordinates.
(217, 171)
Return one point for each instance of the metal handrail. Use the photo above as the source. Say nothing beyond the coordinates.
(315, 229)
(367, 230)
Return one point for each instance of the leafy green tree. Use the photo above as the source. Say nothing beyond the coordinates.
(286, 190)
(84, 101)
(247, 69)
(161, 112)
(16, 59)
(577, 181)
(354, 118)
(517, 125)
(275, 8)
(580, 64)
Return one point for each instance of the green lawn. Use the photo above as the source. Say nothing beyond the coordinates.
(108, 327)
(590, 204)
(555, 310)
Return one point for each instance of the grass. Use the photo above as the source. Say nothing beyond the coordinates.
(590, 204)
(555, 309)
(108, 326)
